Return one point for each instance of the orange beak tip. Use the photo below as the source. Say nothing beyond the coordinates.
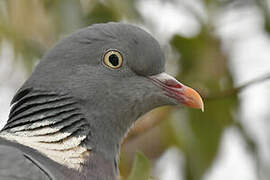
(194, 99)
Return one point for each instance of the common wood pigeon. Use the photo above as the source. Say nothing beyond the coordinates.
(69, 117)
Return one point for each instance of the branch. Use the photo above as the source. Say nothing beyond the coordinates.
(147, 122)
(238, 89)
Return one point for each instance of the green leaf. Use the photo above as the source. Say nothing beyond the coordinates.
(204, 66)
(141, 168)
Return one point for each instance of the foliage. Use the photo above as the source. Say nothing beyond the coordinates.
(141, 168)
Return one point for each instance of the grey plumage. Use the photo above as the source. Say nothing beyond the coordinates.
(69, 117)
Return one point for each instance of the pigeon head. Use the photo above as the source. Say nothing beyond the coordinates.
(114, 60)
(113, 70)
(115, 73)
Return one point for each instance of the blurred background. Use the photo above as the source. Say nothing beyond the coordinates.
(219, 47)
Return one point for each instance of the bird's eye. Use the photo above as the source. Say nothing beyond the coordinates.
(113, 59)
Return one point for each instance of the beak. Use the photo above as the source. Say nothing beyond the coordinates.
(174, 89)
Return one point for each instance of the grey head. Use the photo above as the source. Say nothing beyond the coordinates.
(115, 73)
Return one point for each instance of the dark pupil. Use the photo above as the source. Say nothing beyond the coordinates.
(114, 59)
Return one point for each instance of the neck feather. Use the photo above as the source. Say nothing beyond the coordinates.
(51, 123)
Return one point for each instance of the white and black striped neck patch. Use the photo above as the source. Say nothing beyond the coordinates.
(50, 122)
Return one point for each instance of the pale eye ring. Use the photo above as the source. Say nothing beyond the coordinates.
(113, 59)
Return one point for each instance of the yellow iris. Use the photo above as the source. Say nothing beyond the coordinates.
(113, 59)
